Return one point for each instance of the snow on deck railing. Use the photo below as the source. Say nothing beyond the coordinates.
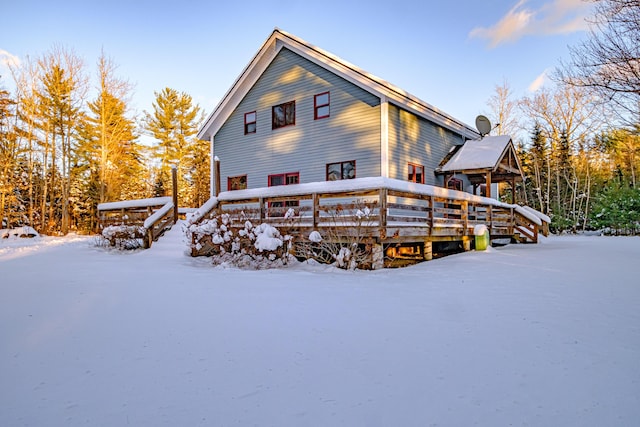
(139, 203)
(148, 223)
(359, 185)
(356, 185)
(538, 214)
(202, 211)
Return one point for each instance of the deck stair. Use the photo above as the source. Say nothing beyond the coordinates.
(145, 219)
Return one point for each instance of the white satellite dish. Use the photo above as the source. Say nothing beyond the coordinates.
(483, 125)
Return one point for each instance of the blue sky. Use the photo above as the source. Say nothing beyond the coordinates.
(449, 54)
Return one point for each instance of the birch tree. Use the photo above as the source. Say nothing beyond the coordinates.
(504, 110)
(608, 61)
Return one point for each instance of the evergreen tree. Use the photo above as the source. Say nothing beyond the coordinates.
(60, 98)
(174, 124)
(9, 152)
(537, 170)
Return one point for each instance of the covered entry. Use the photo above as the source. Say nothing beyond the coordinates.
(485, 161)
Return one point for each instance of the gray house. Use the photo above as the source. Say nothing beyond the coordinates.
(299, 114)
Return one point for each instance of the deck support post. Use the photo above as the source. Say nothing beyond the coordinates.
(466, 243)
(377, 257)
(428, 251)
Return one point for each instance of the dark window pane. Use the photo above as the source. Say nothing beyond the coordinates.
(278, 116)
(334, 172)
(276, 180)
(348, 170)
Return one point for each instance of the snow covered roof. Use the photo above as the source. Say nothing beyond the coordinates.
(485, 153)
(280, 39)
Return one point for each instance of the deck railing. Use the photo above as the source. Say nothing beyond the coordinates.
(396, 212)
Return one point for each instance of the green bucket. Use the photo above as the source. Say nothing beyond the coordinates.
(482, 237)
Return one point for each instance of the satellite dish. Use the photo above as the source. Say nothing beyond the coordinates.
(483, 125)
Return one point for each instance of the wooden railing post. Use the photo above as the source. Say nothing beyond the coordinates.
(316, 210)
(174, 181)
(262, 210)
(217, 175)
(464, 211)
(383, 208)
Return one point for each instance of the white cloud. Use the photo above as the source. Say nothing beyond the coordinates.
(7, 59)
(556, 17)
(539, 81)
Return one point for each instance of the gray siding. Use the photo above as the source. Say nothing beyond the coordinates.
(416, 140)
(352, 132)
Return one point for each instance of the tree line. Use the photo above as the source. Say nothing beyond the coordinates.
(63, 151)
(579, 139)
(61, 154)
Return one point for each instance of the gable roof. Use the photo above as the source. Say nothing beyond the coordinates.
(280, 39)
(491, 153)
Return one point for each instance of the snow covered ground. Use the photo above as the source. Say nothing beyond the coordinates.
(523, 335)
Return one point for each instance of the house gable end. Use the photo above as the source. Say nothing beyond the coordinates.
(351, 73)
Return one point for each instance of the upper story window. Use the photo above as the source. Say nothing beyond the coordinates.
(321, 106)
(283, 115)
(341, 170)
(237, 182)
(250, 122)
(416, 173)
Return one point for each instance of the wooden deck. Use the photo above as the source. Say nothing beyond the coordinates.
(406, 220)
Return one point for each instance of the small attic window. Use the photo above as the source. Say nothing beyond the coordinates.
(321, 108)
(250, 122)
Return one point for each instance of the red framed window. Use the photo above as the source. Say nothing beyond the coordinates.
(250, 120)
(416, 173)
(341, 170)
(454, 184)
(321, 103)
(237, 182)
(283, 115)
(282, 179)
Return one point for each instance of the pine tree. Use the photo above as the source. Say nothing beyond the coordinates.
(60, 99)
(174, 124)
(539, 165)
(9, 152)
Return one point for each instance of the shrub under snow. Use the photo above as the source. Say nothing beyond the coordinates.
(260, 246)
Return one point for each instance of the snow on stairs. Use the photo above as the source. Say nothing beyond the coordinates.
(529, 223)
